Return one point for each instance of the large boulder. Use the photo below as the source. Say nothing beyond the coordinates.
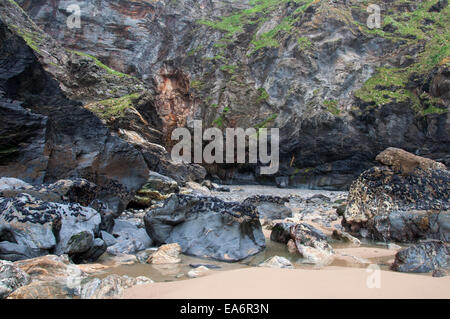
(57, 274)
(405, 199)
(31, 227)
(423, 257)
(77, 190)
(11, 278)
(207, 227)
(270, 207)
(47, 277)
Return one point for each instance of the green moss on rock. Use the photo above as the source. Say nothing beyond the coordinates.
(113, 108)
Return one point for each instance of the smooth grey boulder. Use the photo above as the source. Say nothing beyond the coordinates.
(207, 227)
(12, 251)
(422, 258)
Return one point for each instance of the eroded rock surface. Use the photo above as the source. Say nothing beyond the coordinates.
(305, 239)
(340, 92)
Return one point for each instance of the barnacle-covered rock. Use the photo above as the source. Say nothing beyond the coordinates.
(404, 200)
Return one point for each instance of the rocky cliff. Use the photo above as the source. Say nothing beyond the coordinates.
(339, 92)
(46, 134)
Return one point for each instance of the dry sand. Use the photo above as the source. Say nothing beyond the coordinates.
(332, 282)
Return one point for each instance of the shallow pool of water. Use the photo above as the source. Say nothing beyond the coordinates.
(175, 272)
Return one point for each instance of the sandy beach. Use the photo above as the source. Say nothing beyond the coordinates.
(333, 282)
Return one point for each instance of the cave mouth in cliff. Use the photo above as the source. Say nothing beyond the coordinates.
(240, 146)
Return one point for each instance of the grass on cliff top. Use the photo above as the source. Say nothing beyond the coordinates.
(101, 65)
(113, 108)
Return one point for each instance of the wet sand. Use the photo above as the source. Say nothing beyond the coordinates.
(333, 282)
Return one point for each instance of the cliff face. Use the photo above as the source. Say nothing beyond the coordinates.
(339, 92)
(47, 132)
(45, 135)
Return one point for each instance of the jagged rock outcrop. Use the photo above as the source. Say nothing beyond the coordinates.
(305, 239)
(312, 244)
(207, 227)
(281, 232)
(31, 227)
(45, 136)
(339, 91)
(405, 199)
